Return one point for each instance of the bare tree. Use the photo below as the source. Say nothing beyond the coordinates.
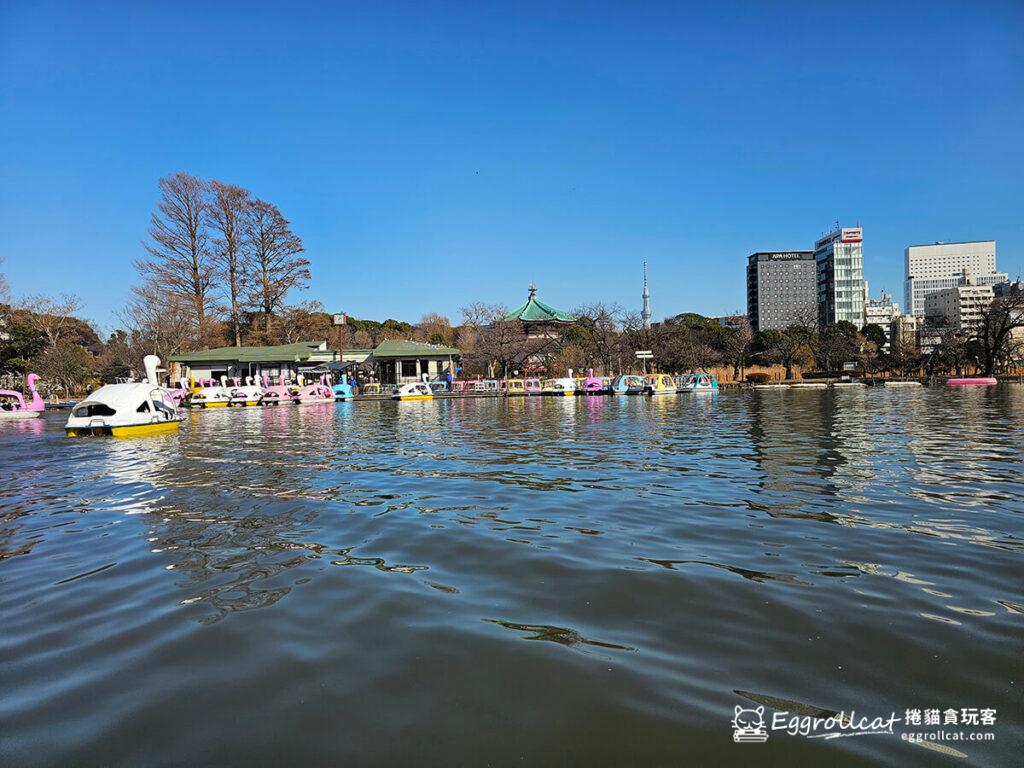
(952, 353)
(277, 265)
(479, 314)
(436, 328)
(635, 337)
(179, 260)
(51, 317)
(362, 340)
(737, 341)
(227, 212)
(597, 334)
(158, 323)
(306, 322)
(788, 347)
(903, 358)
(66, 366)
(998, 339)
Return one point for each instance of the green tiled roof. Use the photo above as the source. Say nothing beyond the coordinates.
(279, 353)
(535, 311)
(402, 348)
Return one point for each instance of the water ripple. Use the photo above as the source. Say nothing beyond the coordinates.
(352, 583)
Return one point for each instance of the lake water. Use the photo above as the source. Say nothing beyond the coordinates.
(592, 581)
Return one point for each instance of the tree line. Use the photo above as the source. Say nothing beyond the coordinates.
(606, 338)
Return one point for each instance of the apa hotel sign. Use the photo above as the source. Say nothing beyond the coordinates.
(851, 235)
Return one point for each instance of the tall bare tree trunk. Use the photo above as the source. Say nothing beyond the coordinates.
(275, 252)
(227, 211)
(179, 261)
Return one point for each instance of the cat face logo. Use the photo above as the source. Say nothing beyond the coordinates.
(748, 726)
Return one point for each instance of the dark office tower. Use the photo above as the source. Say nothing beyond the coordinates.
(782, 287)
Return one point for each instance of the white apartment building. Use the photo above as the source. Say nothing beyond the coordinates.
(939, 266)
(881, 312)
(958, 308)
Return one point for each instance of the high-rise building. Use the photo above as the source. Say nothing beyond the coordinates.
(645, 313)
(936, 267)
(839, 257)
(881, 312)
(781, 288)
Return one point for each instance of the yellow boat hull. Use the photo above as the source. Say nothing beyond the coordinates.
(415, 397)
(214, 405)
(135, 430)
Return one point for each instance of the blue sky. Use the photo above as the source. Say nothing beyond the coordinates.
(432, 154)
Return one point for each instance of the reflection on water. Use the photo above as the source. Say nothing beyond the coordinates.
(855, 548)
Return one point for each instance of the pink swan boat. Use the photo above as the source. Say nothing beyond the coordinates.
(592, 385)
(315, 393)
(13, 405)
(279, 394)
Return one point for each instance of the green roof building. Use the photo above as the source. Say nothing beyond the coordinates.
(402, 362)
(281, 359)
(396, 361)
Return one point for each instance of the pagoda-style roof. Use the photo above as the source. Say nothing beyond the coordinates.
(536, 311)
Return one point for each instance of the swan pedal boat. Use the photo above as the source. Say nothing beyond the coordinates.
(317, 392)
(342, 390)
(247, 394)
(564, 386)
(593, 385)
(209, 395)
(415, 391)
(13, 406)
(135, 409)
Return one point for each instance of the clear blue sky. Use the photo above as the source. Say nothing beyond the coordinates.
(430, 154)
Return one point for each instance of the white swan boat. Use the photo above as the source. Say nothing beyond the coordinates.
(416, 391)
(126, 410)
(245, 394)
(563, 386)
(210, 395)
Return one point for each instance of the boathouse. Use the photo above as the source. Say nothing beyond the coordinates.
(398, 361)
(288, 360)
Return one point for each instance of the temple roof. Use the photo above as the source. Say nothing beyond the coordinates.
(536, 311)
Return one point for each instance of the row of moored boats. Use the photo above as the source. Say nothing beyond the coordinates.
(208, 393)
(146, 408)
